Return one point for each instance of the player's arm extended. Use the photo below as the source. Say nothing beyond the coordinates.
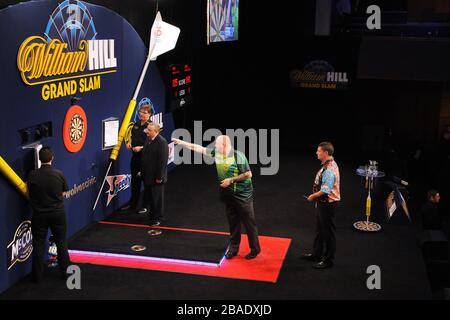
(191, 146)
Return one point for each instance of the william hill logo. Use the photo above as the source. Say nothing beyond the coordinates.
(69, 59)
(319, 74)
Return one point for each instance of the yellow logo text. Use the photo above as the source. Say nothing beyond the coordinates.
(37, 58)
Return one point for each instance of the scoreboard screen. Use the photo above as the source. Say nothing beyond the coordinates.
(180, 82)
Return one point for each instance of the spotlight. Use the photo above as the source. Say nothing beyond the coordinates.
(36, 133)
(42, 131)
(24, 136)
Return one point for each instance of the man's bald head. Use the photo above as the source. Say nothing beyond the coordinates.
(223, 144)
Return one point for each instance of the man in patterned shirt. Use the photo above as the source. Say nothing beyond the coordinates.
(236, 191)
(326, 194)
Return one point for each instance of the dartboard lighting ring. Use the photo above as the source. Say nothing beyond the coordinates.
(75, 129)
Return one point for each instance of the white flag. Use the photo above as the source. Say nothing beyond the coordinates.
(163, 37)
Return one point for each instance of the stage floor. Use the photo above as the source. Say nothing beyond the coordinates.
(180, 250)
(172, 243)
(280, 213)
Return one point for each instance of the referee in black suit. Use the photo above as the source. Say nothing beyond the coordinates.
(155, 156)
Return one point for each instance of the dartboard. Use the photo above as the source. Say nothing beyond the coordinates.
(71, 22)
(217, 16)
(76, 129)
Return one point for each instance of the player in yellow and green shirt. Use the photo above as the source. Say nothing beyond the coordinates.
(236, 190)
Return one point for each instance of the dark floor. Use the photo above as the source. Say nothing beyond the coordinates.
(192, 202)
(174, 244)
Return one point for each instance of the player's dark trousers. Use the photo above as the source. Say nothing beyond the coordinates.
(136, 182)
(40, 223)
(325, 241)
(154, 200)
(238, 212)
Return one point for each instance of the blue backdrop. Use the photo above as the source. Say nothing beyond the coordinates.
(24, 105)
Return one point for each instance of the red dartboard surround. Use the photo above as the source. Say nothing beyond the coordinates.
(75, 128)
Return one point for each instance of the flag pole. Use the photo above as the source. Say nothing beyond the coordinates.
(125, 122)
(154, 37)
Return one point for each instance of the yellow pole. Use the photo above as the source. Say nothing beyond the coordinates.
(368, 201)
(115, 151)
(123, 129)
(13, 177)
(368, 205)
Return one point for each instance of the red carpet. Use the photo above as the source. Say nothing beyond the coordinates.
(265, 267)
